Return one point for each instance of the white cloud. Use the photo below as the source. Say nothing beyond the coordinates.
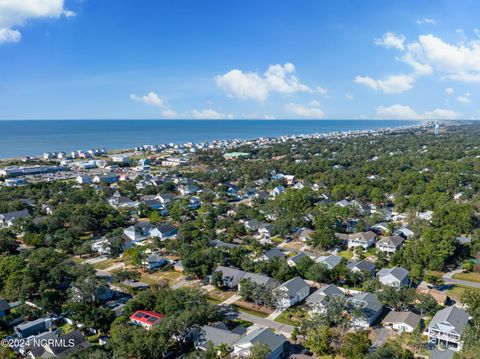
(14, 13)
(390, 85)
(441, 114)
(391, 40)
(150, 99)
(209, 114)
(465, 98)
(250, 85)
(449, 90)
(460, 62)
(397, 112)
(169, 114)
(402, 112)
(322, 91)
(349, 96)
(312, 110)
(9, 35)
(426, 20)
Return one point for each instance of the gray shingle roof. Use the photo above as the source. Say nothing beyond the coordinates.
(294, 285)
(328, 290)
(457, 317)
(264, 336)
(398, 272)
(409, 318)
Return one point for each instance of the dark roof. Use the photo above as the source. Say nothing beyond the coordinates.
(4, 305)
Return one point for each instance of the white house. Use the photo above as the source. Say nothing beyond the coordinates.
(390, 244)
(275, 343)
(396, 276)
(447, 326)
(291, 292)
(402, 321)
(362, 239)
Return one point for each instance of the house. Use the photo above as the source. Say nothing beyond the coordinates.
(405, 232)
(260, 279)
(7, 219)
(425, 288)
(4, 308)
(103, 246)
(34, 327)
(330, 261)
(147, 319)
(107, 178)
(380, 228)
(390, 244)
(139, 231)
(396, 276)
(272, 253)
(362, 266)
(447, 326)
(163, 231)
(290, 179)
(230, 276)
(362, 239)
(49, 345)
(251, 225)
(291, 292)
(217, 334)
(82, 179)
(293, 261)
(14, 182)
(402, 321)
(275, 343)
(122, 202)
(370, 306)
(276, 191)
(194, 203)
(165, 198)
(318, 300)
(305, 234)
(426, 216)
(153, 204)
(188, 189)
(154, 261)
(265, 230)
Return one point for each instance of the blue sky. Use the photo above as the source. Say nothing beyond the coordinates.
(92, 59)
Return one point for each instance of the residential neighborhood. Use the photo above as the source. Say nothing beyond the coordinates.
(206, 252)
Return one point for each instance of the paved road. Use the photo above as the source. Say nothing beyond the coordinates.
(264, 322)
(447, 278)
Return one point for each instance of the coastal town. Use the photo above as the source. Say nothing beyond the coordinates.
(347, 245)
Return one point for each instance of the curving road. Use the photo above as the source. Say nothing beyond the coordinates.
(447, 278)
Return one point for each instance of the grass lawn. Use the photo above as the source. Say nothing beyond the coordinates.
(214, 300)
(277, 239)
(346, 254)
(106, 263)
(457, 291)
(470, 276)
(154, 278)
(292, 316)
(250, 311)
(66, 328)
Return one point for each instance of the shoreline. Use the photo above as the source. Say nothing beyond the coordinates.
(235, 142)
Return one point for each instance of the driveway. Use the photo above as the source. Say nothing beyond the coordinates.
(447, 278)
(381, 337)
(264, 322)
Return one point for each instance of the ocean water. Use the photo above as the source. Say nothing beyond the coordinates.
(24, 138)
